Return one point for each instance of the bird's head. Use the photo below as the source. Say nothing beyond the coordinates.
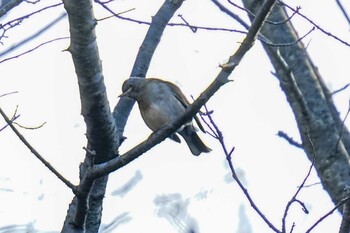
(131, 87)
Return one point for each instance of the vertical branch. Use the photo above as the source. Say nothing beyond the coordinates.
(101, 130)
(221, 79)
(345, 223)
(100, 125)
(217, 134)
(307, 97)
(143, 59)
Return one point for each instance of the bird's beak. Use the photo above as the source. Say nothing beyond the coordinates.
(125, 93)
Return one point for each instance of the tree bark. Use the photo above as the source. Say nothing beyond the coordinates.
(318, 120)
(85, 211)
(8, 5)
(86, 208)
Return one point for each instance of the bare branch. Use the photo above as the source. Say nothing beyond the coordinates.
(294, 198)
(267, 42)
(328, 213)
(36, 153)
(35, 48)
(12, 23)
(219, 136)
(9, 93)
(342, 126)
(306, 94)
(193, 29)
(261, 37)
(231, 14)
(342, 9)
(340, 89)
(48, 26)
(144, 56)
(9, 6)
(267, 21)
(168, 24)
(290, 140)
(12, 120)
(345, 223)
(297, 11)
(221, 79)
(123, 12)
(30, 128)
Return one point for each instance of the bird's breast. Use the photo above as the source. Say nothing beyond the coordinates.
(154, 116)
(158, 113)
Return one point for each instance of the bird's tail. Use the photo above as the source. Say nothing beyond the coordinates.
(193, 141)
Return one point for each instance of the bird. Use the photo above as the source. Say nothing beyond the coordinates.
(160, 103)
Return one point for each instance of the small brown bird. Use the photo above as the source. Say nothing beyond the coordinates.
(160, 103)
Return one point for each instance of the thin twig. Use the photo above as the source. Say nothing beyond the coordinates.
(220, 138)
(9, 93)
(313, 23)
(261, 37)
(123, 12)
(342, 9)
(289, 139)
(342, 127)
(345, 222)
(12, 120)
(294, 198)
(341, 89)
(328, 213)
(36, 34)
(169, 24)
(32, 49)
(36, 153)
(231, 14)
(267, 21)
(12, 23)
(30, 128)
(193, 28)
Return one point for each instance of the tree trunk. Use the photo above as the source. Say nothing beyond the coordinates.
(318, 121)
(86, 208)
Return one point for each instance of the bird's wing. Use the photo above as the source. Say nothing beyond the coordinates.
(183, 100)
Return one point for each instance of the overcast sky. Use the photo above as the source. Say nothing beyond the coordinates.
(249, 111)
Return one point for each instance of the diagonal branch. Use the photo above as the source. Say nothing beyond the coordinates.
(32, 49)
(220, 80)
(101, 130)
(33, 36)
(36, 153)
(100, 126)
(302, 185)
(217, 134)
(143, 59)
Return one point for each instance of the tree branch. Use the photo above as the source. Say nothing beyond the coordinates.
(36, 34)
(220, 80)
(341, 202)
(342, 9)
(95, 109)
(100, 126)
(309, 100)
(144, 56)
(297, 11)
(32, 49)
(8, 5)
(289, 139)
(228, 154)
(36, 153)
(302, 185)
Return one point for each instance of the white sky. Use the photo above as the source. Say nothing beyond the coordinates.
(249, 111)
